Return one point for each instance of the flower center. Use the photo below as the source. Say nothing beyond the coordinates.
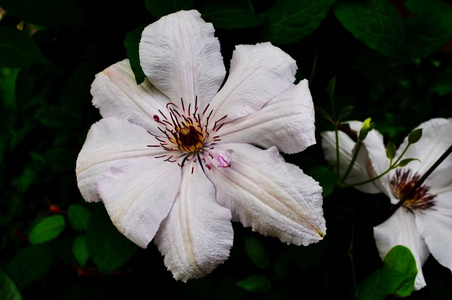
(189, 135)
(401, 184)
(189, 139)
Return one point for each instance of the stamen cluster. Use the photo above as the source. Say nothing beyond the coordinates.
(187, 134)
(401, 184)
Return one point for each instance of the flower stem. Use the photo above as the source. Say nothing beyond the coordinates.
(314, 64)
(420, 181)
(369, 180)
(401, 155)
(338, 165)
(391, 166)
(352, 162)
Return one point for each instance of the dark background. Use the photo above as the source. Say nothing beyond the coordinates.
(46, 112)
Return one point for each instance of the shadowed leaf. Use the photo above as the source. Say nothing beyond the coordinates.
(291, 20)
(17, 50)
(375, 22)
(47, 229)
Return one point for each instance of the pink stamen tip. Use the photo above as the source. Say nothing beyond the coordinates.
(156, 118)
(224, 161)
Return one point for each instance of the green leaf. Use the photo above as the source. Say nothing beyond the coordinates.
(374, 22)
(30, 264)
(108, 248)
(325, 176)
(47, 229)
(281, 265)
(8, 79)
(406, 161)
(228, 15)
(80, 250)
(390, 150)
(23, 182)
(58, 117)
(401, 262)
(428, 28)
(331, 87)
(17, 50)
(324, 114)
(160, 8)
(344, 113)
(396, 277)
(415, 136)
(291, 20)
(320, 172)
(256, 252)
(131, 43)
(51, 13)
(8, 289)
(78, 217)
(256, 284)
(400, 259)
(37, 161)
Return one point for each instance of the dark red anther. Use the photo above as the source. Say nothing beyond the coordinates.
(156, 118)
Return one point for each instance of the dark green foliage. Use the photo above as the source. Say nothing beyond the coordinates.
(378, 25)
(78, 217)
(108, 248)
(429, 27)
(17, 49)
(375, 22)
(229, 15)
(52, 13)
(395, 277)
(390, 60)
(131, 43)
(8, 289)
(162, 8)
(256, 252)
(47, 229)
(80, 249)
(30, 263)
(255, 284)
(291, 20)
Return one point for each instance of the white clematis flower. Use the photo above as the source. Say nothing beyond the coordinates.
(424, 222)
(176, 158)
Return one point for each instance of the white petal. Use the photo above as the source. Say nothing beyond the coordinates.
(435, 226)
(436, 138)
(197, 235)
(181, 57)
(138, 194)
(116, 94)
(377, 151)
(440, 181)
(362, 169)
(258, 73)
(273, 197)
(286, 122)
(400, 229)
(108, 141)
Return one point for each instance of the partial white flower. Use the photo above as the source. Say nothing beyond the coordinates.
(362, 169)
(424, 222)
(176, 158)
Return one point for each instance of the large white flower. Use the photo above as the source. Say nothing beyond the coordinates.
(176, 158)
(424, 222)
